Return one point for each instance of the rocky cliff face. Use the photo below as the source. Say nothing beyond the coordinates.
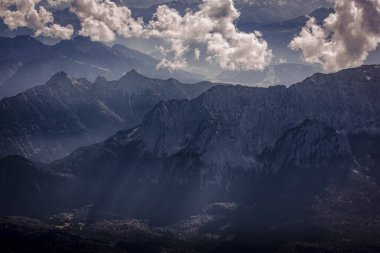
(46, 122)
(233, 124)
(213, 146)
(290, 165)
(239, 122)
(311, 144)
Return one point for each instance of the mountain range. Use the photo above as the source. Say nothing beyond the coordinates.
(102, 151)
(235, 168)
(49, 121)
(26, 62)
(254, 14)
(278, 30)
(220, 138)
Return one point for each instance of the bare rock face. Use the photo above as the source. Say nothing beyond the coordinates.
(229, 127)
(217, 146)
(274, 149)
(312, 144)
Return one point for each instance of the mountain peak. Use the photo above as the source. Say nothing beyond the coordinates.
(131, 75)
(173, 81)
(60, 74)
(60, 79)
(133, 72)
(100, 80)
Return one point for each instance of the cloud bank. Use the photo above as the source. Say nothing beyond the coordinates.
(103, 20)
(346, 37)
(212, 27)
(25, 13)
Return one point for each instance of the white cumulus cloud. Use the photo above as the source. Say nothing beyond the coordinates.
(102, 20)
(346, 37)
(26, 13)
(213, 26)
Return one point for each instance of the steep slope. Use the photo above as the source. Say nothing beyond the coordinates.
(312, 144)
(210, 148)
(253, 118)
(16, 52)
(48, 121)
(243, 120)
(280, 182)
(366, 148)
(311, 196)
(310, 203)
(300, 165)
(28, 188)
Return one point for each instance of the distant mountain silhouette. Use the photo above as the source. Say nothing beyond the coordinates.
(25, 62)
